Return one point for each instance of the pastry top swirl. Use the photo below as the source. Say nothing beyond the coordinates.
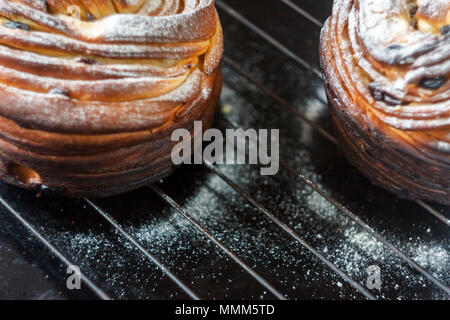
(392, 58)
(104, 66)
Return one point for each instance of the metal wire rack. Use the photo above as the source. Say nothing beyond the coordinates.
(224, 232)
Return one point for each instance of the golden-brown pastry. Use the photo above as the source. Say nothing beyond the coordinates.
(386, 65)
(91, 90)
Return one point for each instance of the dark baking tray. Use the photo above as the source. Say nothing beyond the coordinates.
(308, 233)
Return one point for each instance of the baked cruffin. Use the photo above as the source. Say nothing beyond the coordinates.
(91, 90)
(386, 66)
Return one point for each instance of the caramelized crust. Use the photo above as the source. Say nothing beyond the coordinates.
(91, 90)
(386, 65)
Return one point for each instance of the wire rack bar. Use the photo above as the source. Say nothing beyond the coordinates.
(303, 12)
(230, 253)
(267, 37)
(434, 212)
(50, 247)
(145, 252)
